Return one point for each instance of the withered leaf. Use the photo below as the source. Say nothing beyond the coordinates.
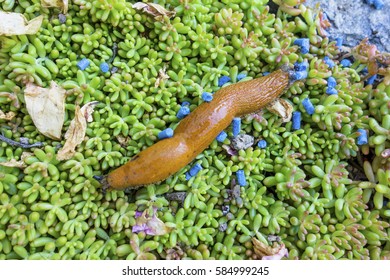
(62, 4)
(281, 108)
(17, 163)
(7, 116)
(46, 107)
(76, 131)
(155, 10)
(123, 141)
(151, 225)
(162, 76)
(17, 24)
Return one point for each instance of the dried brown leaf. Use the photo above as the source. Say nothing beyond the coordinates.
(17, 24)
(7, 116)
(281, 108)
(17, 163)
(155, 10)
(76, 131)
(62, 4)
(46, 107)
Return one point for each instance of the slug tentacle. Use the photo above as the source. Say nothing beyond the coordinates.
(198, 130)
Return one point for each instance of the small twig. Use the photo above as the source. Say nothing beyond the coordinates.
(20, 144)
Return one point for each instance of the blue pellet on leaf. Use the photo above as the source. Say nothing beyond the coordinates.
(223, 80)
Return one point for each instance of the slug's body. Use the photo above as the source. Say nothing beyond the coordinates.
(197, 131)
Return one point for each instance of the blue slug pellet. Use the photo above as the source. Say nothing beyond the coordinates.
(241, 76)
(241, 178)
(299, 75)
(339, 42)
(82, 64)
(332, 82)
(223, 80)
(207, 96)
(183, 112)
(304, 44)
(331, 91)
(166, 133)
(329, 61)
(221, 136)
(266, 73)
(104, 67)
(371, 80)
(362, 138)
(193, 171)
(262, 144)
(331, 86)
(236, 126)
(345, 62)
(308, 106)
(301, 66)
(296, 120)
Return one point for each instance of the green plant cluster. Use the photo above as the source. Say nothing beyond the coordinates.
(324, 195)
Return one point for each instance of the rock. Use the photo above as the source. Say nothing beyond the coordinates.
(356, 20)
(242, 142)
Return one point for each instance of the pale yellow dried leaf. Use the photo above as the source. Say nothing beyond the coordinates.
(76, 132)
(155, 10)
(46, 107)
(7, 116)
(282, 108)
(62, 4)
(17, 163)
(17, 24)
(162, 76)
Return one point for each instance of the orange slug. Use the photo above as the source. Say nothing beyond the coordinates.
(196, 131)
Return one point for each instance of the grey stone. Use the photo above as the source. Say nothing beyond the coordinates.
(354, 20)
(242, 142)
